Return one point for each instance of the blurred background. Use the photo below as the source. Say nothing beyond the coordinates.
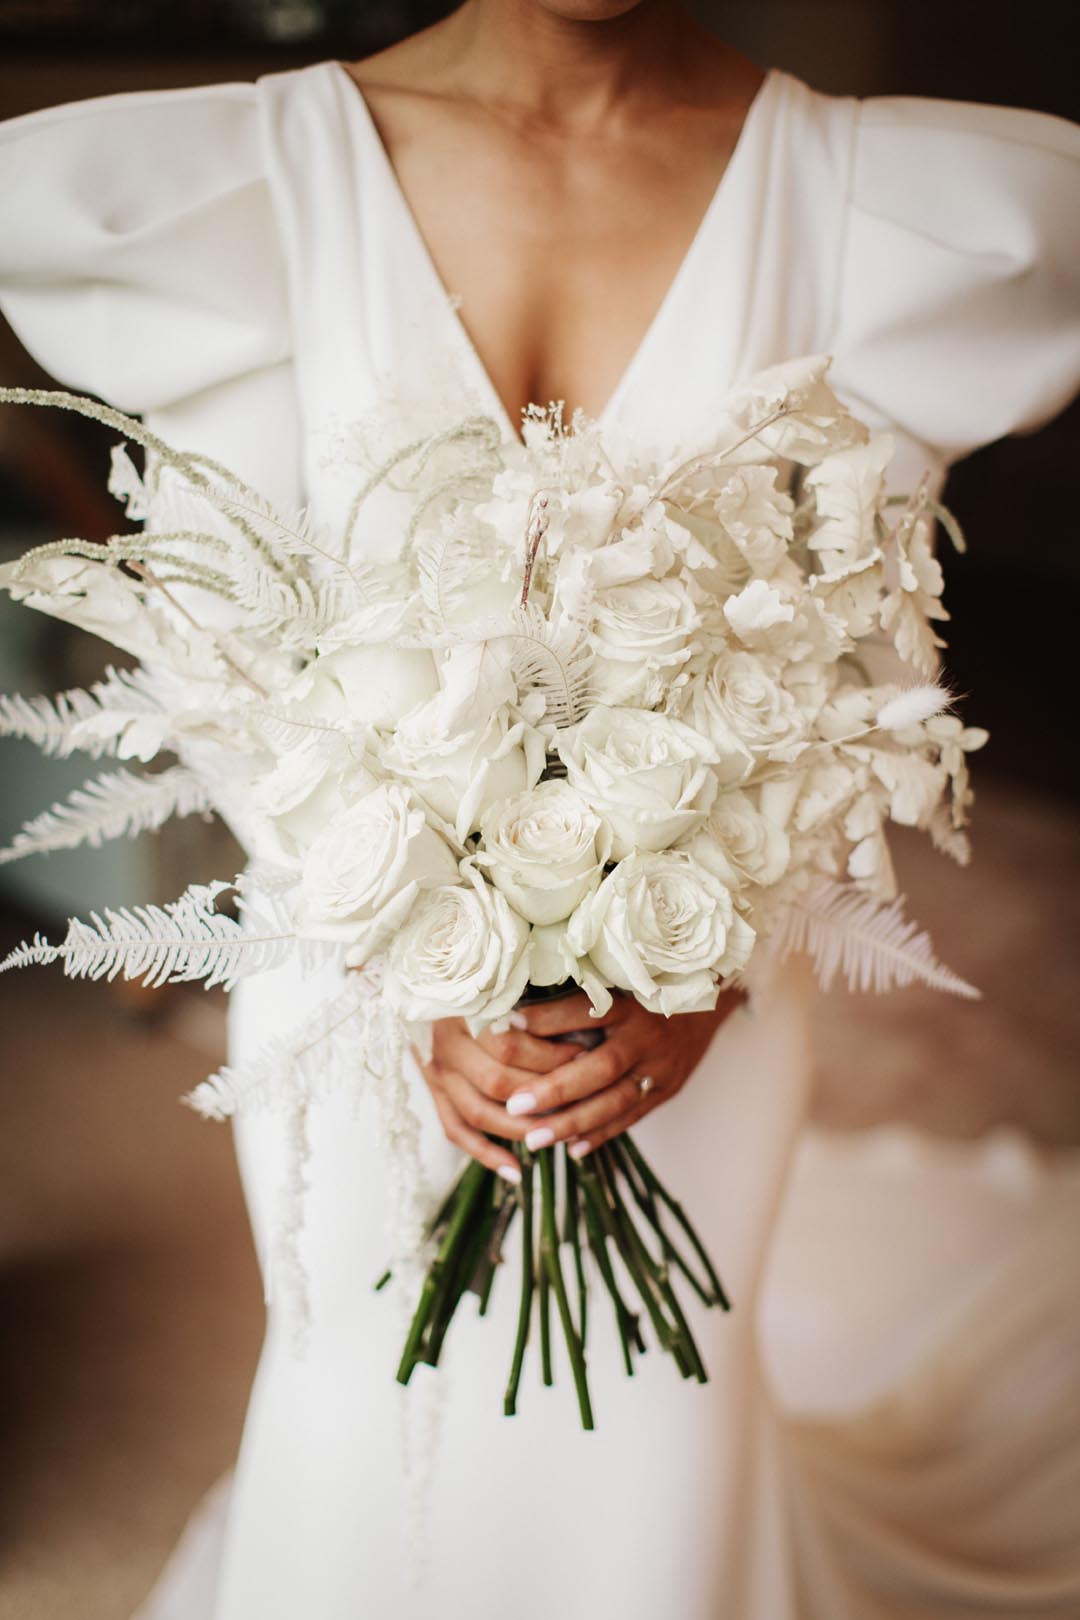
(130, 1312)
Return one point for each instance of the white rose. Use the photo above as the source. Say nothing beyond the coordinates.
(459, 773)
(641, 552)
(746, 713)
(545, 849)
(639, 634)
(664, 928)
(366, 867)
(303, 792)
(462, 954)
(377, 684)
(739, 844)
(650, 777)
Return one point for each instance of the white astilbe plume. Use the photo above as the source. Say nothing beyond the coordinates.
(872, 944)
(912, 706)
(324, 1050)
(352, 1040)
(184, 940)
(116, 804)
(327, 1049)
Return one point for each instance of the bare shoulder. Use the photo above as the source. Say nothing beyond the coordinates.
(414, 67)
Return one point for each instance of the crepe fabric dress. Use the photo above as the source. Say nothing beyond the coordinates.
(238, 263)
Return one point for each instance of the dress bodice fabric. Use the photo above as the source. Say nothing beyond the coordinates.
(239, 264)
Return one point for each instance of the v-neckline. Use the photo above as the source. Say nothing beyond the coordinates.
(448, 302)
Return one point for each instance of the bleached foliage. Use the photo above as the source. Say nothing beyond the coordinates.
(184, 940)
(116, 804)
(872, 945)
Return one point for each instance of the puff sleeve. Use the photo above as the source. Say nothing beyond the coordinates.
(957, 313)
(138, 258)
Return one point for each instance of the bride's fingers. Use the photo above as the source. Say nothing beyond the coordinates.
(496, 1079)
(516, 1049)
(472, 1141)
(585, 1119)
(564, 1014)
(579, 1147)
(477, 1110)
(589, 1072)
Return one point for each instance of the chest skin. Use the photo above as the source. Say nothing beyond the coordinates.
(559, 249)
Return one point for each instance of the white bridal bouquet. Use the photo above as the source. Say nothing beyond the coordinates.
(540, 715)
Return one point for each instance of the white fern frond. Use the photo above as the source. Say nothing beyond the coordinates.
(184, 940)
(872, 944)
(320, 1053)
(444, 564)
(46, 722)
(116, 804)
(266, 912)
(123, 713)
(282, 730)
(295, 535)
(553, 660)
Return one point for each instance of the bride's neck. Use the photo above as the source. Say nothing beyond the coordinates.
(570, 72)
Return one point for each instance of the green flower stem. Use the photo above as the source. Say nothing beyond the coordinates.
(683, 1345)
(549, 1257)
(543, 1305)
(626, 1321)
(525, 1303)
(572, 1231)
(435, 1224)
(681, 1340)
(459, 1275)
(435, 1283)
(653, 1181)
(592, 1182)
(505, 1211)
(645, 1199)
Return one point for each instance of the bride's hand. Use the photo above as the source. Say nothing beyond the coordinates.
(599, 1094)
(470, 1079)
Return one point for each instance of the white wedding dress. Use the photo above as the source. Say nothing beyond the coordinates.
(898, 1441)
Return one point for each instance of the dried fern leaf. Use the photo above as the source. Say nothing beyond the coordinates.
(553, 660)
(184, 940)
(90, 721)
(116, 804)
(871, 943)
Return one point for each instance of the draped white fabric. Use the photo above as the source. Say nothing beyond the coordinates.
(240, 264)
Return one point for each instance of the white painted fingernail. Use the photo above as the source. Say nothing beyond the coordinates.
(522, 1102)
(542, 1137)
(518, 1020)
(499, 1027)
(510, 1172)
(578, 1150)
